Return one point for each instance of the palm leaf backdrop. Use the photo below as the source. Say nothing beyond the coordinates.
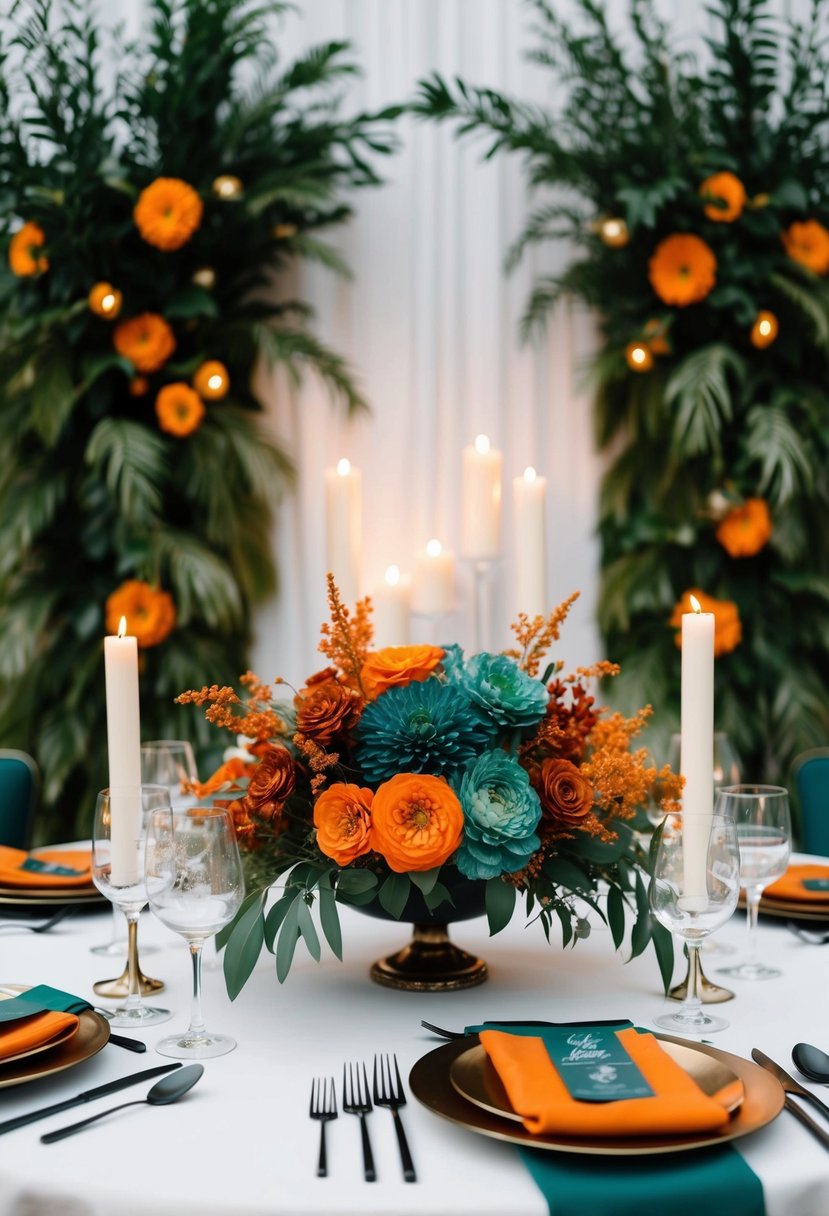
(714, 419)
(92, 491)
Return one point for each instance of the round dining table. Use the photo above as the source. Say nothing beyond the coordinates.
(241, 1143)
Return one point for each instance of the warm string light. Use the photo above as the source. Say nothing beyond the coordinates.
(613, 232)
(638, 357)
(227, 187)
(764, 330)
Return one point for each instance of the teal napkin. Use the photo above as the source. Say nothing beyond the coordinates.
(39, 1000)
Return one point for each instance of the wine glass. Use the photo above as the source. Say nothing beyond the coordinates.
(764, 832)
(694, 890)
(195, 886)
(118, 873)
(170, 762)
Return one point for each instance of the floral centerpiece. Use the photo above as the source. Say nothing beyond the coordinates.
(405, 770)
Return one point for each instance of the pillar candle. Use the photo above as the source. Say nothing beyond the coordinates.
(391, 602)
(481, 486)
(696, 761)
(343, 528)
(124, 753)
(530, 547)
(433, 591)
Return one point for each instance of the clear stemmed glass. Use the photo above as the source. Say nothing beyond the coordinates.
(694, 890)
(195, 886)
(764, 832)
(170, 762)
(118, 873)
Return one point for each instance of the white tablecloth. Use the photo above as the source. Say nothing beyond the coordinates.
(241, 1143)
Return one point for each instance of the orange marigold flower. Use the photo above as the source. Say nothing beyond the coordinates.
(212, 381)
(342, 817)
(746, 529)
(398, 665)
(417, 822)
(682, 270)
(727, 196)
(565, 794)
(179, 409)
(150, 612)
(25, 258)
(167, 213)
(728, 630)
(808, 243)
(104, 300)
(147, 341)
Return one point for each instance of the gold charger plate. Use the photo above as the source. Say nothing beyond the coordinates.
(790, 909)
(39, 898)
(430, 1082)
(92, 1034)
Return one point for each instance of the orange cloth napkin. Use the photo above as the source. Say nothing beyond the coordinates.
(11, 874)
(790, 886)
(538, 1094)
(35, 1031)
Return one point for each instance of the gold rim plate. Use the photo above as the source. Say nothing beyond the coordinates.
(789, 909)
(431, 1083)
(91, 1036)
(38, 898)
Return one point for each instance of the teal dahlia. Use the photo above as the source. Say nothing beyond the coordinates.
(426, 727)
(505, 694)
(501, 812)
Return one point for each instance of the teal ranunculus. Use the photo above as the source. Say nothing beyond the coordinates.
(501, 812)
(424, 727)
(505, 694)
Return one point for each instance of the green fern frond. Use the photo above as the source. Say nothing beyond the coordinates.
(132, 463)
(775, 445)
(700, 394)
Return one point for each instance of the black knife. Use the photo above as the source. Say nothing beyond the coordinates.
(100, 1091)
(120, 1040)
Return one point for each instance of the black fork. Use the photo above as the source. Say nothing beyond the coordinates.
(388, 1091)
(357, 1102)
(324, 1108)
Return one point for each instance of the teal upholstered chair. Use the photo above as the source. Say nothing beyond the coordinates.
(811, 777)
(19, 795)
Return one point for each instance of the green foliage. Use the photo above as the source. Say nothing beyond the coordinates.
(92, 491)
(718, 420)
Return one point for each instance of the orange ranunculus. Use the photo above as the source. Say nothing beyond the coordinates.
(167, 213)
(342, 817)
(179, 409)
(746, 529)
(723, 188)
(226, 774)
(150, 612)
(25, 258)
(808, 243)
(395, 665)
(211, 381)
(728, 631)
(147, 341)
(416, 822)
(104, 300)
(682, 270)
(565, 794)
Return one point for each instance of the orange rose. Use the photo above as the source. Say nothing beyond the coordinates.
(723, 188)
(342, 817)
(416, 822)
(147, 341)
(808, 244)
(746, 529)
(25, 258)
(728, 631)
(150, 612)
(682, 270)
(325, 710)
(271, 784)
(398, 665)
(167, 213)
(179, 410)
(565, 794)
(212, 381)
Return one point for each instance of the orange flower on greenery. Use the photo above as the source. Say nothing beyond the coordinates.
(326, 709)
(728, 630)
(725, 195)
(147, 341)
(808, 243)
(150, 612)
(167, 213)
(179, 409)
(746, 529)
(565, 794)
(226, 775)
(417, 822)
(212, 381)
(271, 784)
(682, 270)
(342, 817)
(25, 258)
(398, 665)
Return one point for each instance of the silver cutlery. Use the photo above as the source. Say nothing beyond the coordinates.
(168, 1089)
(812, 937)
(793, 1087)
(356, 1101)
(388, 1091)
(324, 1108)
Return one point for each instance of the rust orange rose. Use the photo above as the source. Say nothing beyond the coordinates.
(147, 341)
(726, 197)
(25, 257)
(745, 529)
(398, 665)
(728, 631)
(325, 710)
(808, 243)
(342, 817)
(150, 612)
(417, 822)
(565, 794)
(167, 213)
(179, 409)
(682, 270)
(271, 784)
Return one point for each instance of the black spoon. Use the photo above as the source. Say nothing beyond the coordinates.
(44, 926)
(812, 1062)
(168, 1089)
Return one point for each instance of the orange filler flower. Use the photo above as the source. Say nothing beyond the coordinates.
(728, 630)
(398, 665)
(745, 530)
(149, 611)
(808, 244)
(417, 822)
(179, 409)
(342, 817)
(725, 197)
(682, 270)
(146, 340)
(167, 213)
(25, 258)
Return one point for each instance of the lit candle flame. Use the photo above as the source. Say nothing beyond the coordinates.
(434, 548)
(765, 327)
(530, 473)
(344, 467)
(695, 604)
(482, 444)
(122, 627)
(393, 576)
